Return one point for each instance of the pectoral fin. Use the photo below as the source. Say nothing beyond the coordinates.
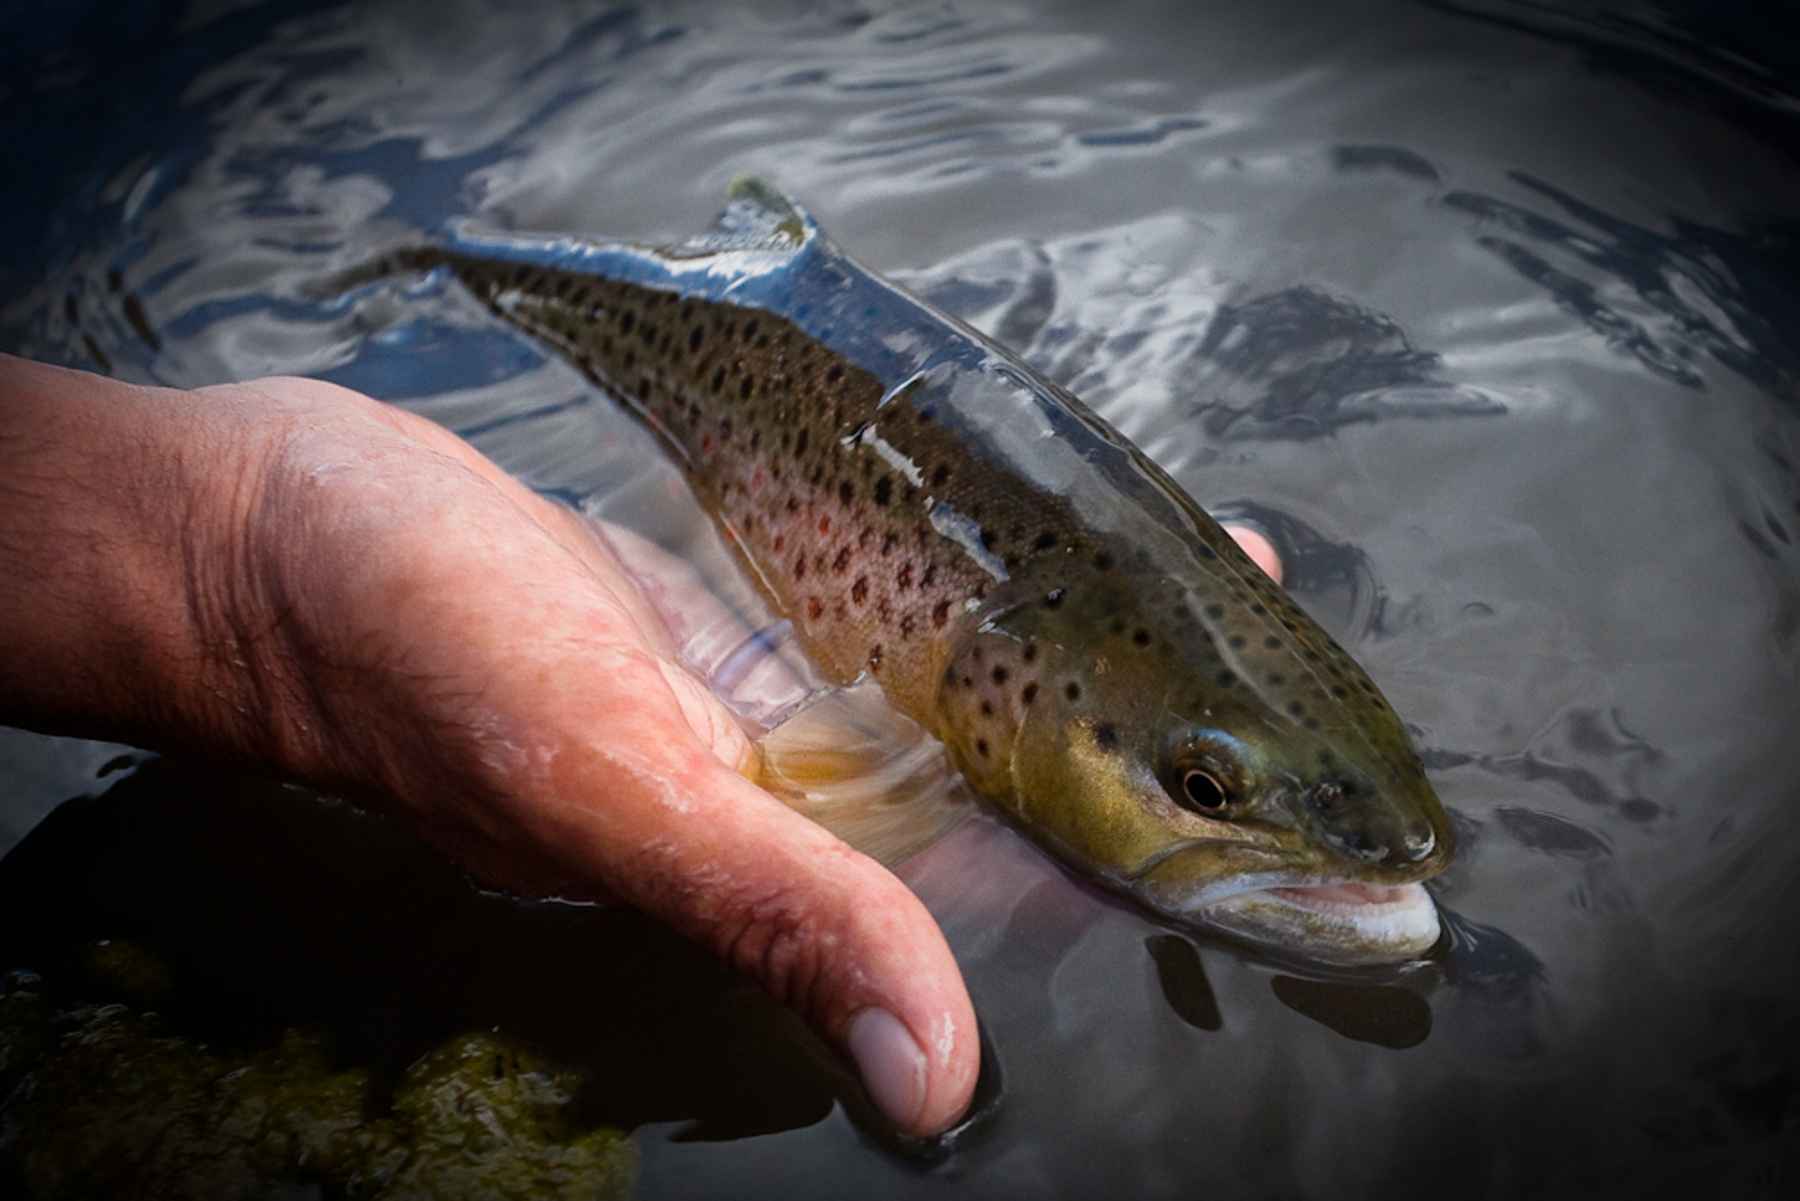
(866, 773)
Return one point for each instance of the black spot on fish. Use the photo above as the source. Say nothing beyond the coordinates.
(1225, 679)
(835, 374)
(1044, 541)
(1000, 673)
(800, 442)
(846, 493)
(939, 474)
(1029, 654)
(981, 747)
(987, 708)
(627, 320)
(1072, 690)
(884, 490)
(1104, 560)
(859, 591)
(696, 337)
(747, 387)
(940, 614)
(1106, 736)
(1141, 637)
(1029, 692)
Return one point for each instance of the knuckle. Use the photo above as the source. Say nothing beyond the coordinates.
(781, 943)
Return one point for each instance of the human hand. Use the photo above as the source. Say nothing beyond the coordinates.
(287, 572)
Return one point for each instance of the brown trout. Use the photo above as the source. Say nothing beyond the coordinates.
(1103, 663)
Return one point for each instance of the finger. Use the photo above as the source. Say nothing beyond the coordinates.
(1256, 544)
(824, 929)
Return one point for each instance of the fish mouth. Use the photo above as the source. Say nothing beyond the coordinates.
(1338, 921)
(1347, 922)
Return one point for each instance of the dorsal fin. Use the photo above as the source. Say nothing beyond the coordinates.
(757, 216)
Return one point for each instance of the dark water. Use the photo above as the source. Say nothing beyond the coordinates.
(1489, 311)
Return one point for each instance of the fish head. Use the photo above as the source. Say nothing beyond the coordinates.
(1219, 759)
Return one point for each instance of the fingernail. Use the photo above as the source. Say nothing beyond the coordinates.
(891, 1065)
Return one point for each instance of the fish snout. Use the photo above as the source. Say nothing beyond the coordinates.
(1365, 832)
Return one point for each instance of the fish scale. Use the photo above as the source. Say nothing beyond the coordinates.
(1019, 578)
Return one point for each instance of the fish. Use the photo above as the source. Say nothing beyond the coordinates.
(1101, 662)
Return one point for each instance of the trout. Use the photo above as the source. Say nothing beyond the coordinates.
(1103, 664)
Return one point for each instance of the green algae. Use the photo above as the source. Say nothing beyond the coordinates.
(106, 1100)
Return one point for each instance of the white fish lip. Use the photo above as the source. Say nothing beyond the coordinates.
(1342, 922)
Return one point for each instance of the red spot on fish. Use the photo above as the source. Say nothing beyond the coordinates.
(813, 608)
(824, 524)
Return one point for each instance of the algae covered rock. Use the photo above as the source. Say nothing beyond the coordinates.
(102, 1100)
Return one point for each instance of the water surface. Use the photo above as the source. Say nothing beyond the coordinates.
(1489, 312)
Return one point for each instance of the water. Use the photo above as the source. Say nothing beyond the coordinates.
(1488, 311)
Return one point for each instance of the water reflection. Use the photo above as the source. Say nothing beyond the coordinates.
(1303, 364)
(1482, 310)
(1184, 983)
(1368, 1013)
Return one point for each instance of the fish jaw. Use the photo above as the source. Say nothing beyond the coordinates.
(1341, 922)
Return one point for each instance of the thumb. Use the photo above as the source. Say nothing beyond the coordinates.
(683, 835)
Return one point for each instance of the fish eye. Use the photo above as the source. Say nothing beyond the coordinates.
(1202, 791)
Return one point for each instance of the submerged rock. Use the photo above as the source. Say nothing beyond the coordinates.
(104, 1100)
